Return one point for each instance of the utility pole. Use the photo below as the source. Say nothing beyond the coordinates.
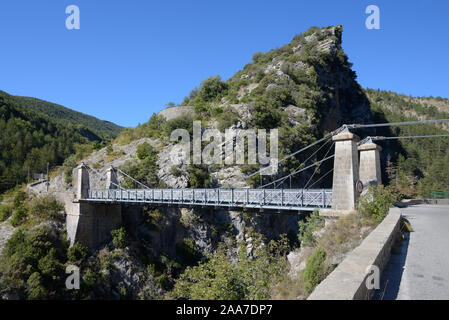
(48, 178)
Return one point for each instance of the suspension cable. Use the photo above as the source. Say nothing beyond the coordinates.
(321, 178)
(298, 171)
(355, 126)
(100, 175)
(296, 152)
(316, 169)
(387, 124)
(305, 161)
(138, 182)
(379, 138)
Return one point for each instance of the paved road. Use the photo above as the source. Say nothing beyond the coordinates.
(421, 269)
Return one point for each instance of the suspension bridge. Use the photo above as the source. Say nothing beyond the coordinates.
(356, 164)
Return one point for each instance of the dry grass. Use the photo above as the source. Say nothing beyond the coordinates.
(338, 238)
(345, 234)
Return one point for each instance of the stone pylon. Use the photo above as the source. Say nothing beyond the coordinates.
(370, 173)
(90, 223)
(82, 185)
(111, 178)
(345, 176)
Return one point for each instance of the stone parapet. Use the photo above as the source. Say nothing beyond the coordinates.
(348, 280)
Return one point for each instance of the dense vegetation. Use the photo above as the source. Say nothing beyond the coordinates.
(144, 169)
(29, 140)
(251, 277)
(31, 264)
(416, 166)
(103, 129)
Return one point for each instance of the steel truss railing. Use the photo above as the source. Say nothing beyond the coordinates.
(281, 199)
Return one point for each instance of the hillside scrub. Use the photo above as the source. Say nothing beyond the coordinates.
(28, 211)
(251, 277)
(325, 247)
(144, 168)
(32, 263)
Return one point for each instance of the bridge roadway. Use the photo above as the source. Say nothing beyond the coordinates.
(273, 199)
(419, 269)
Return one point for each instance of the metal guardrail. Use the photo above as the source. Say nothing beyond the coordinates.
(439, 195)
(281, 199)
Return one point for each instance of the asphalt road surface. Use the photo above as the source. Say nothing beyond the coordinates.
(420, 271)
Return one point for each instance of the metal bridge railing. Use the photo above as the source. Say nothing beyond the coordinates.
(256, 198)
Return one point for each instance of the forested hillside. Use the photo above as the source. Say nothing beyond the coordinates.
(58, 113)
(416, 166)
(28, 140)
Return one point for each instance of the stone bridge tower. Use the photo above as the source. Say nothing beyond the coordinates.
(349, 169)
(88, 223)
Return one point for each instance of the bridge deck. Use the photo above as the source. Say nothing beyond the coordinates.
(276, 199)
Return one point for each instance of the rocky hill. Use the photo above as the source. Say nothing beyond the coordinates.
(306, 89)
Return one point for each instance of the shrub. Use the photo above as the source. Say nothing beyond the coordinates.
(227, 119)
(175, 171)
(151, 269)
(144, 150)
(145, 170)
(266, 117)
(20, 216)
(181, 122)
(162, 281)
(77, 253)
(30, 263)
(67, 168)
(19, 198)
(188, 219)
(187, 251)
(152, 217)
(199, 177)
(115, 155)
(251, 277)
(211, 88)
(307, 227)
(5, 212)
(36, 290)
(46, 208)
(316, 269)
(376, 202)
(90, 279)
(120, 238)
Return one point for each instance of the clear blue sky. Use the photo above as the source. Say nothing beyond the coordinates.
(132, 57)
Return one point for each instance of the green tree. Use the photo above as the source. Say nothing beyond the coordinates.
(211, 88)
(120, 238)
(316, 269)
